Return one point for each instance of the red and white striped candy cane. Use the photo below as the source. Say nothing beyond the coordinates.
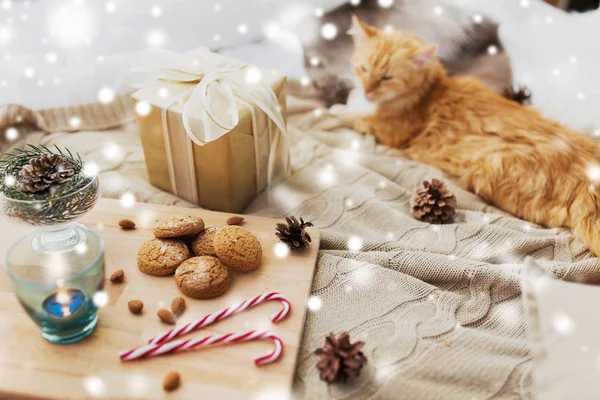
(152, 350)
(222, 314)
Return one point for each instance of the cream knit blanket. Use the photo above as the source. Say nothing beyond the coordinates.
(438, 306)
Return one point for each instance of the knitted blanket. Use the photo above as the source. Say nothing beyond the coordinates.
(439, 307)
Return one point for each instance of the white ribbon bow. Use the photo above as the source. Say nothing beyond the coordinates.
(217, 77)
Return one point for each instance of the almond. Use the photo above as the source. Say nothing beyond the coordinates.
(166, 316)
(178, 305)
(171, 381)
(117, 276)
(135, 306)
(235, 220)
(126, 224)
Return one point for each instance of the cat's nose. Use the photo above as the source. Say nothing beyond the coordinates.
(369, 89)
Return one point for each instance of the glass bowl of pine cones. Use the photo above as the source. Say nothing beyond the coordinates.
(48, 188)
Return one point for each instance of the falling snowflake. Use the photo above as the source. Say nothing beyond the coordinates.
(74, 122)
(273, 393)
(156, 11)
(11, 133)
(156, 38)
(138, 385)
(563, 324)
(51, 58)
(10, 180)
(90, 169)
(163, 92)
(327, 176)
(314, 303)
(593, 173)
(355, 243)
(112, 151)
(100, 299)
(127, 200)
(281, 250)
(142, 108)
(81, 248)
(329, 31)
(29, 72)
(305, 81)
(106, 95)
(94, 385)
(5, 34)
(253, 75)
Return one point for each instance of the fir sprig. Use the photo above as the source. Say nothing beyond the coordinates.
(14, 162)
(63, 203)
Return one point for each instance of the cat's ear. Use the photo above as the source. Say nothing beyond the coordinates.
(424, 56)
(361, 30)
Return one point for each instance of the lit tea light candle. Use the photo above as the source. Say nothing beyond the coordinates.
(64, 304)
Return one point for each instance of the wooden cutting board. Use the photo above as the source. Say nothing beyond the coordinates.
(31, 367)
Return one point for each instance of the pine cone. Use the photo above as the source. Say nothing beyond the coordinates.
(294, 233)
(44, 172)
(434, 204)
(340, 358)
(521, 95)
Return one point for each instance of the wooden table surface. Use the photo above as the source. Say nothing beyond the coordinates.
(31, 367)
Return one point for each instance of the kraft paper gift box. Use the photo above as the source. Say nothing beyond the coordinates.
(212, 128)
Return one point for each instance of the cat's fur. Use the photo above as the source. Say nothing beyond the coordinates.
(508, 154)
(463, 43)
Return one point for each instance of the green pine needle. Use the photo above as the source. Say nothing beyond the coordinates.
(49, 207)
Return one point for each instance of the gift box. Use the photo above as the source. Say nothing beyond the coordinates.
(212, 128)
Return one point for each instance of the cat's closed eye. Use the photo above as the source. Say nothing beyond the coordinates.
(386, 78)
(363, 69)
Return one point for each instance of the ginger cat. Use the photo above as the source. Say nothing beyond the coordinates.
(508, 154)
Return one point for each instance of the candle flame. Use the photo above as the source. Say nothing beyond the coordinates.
(65, 311)
(63, 297)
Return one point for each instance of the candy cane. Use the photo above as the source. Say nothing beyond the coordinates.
(222, 314)
(152, 350)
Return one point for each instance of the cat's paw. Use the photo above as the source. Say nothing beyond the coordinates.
(345, 116)
(339, 110)
(362, 126)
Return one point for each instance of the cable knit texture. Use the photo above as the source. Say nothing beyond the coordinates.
(438, 306)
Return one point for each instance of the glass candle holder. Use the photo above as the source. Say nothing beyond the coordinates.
(58, 213)
(59, 290)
